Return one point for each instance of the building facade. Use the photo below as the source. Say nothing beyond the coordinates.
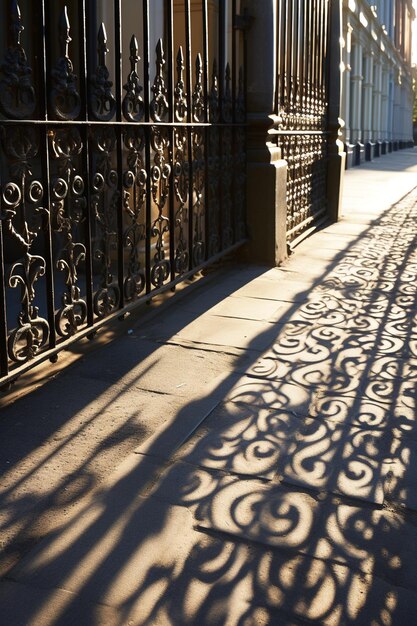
(377, 90)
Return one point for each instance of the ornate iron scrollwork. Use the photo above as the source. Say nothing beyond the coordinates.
(159, 103)
(68, 206)
(180, 97)
(160, 175)
(226, 186)
(102, 101)
(240, 99)
(227, 100)
(17, 95)
(181, 185)
(21, 214)
(65, 99)
(214, 171)
(198, 94)
(214, 96)
(33, 331)
(180, 170)
(134, 194)
(198, 196)
(104, 200)
(132, 106)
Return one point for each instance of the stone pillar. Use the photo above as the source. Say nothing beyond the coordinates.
(391, 91)
(266, 171)
(367, 91)
(376, 108)
(356, 99)
(346, 112)
(384, 110)
(336, 155)
(396, 121)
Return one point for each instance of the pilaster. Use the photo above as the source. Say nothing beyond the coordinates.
(266, 171)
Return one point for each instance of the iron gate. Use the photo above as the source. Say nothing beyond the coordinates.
(122, 160)
(301, 108)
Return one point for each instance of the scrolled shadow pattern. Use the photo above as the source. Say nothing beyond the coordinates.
(295, 501)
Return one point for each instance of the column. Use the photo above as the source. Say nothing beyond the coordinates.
(384, 109)
(356, 93)
(336, 155)
(376, 107)
(396, 121)
(266, 171)
(390, 107)
(346, 94)
(367, 90)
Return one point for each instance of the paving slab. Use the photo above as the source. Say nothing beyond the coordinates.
(244, 440)
(400, 470)
(340, 459)
(265, 393)
(165, 369)
(247, 308)
(225, 331)
(26, 605)
(286, 289)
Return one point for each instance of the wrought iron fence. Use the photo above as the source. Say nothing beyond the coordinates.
(122, 160)
(301, 108)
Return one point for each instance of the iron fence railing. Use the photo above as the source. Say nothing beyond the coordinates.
(122, 160)
(301, 108)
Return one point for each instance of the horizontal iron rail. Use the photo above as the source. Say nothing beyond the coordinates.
(300, 132)
(305, 223)
(123, 124)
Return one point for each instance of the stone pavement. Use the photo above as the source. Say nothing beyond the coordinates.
(247, 457)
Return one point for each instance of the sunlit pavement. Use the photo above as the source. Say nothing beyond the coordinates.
(247, 457)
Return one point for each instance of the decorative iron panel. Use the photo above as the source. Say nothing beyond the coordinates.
(301, 108)
(117, 178)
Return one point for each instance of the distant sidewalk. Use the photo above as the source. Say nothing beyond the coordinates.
(376, 185)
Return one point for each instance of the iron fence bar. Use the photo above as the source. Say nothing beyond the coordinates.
(313, 57)
(234, 61)
(306, 55)
(222, 56)
(85, 158)
(321, 50)
(188, 56)
(146, 81)
(301, 61)
(316, 53)
(44, 156)
(83, 83)
(281, 53)
(206, 77)
(326, 47)
(288, 55)
(119, 148)
(295, 53)
(221, 86)
(206, 73)
(309, 56)
(171, 104)
(235, 173)
(4, 361)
